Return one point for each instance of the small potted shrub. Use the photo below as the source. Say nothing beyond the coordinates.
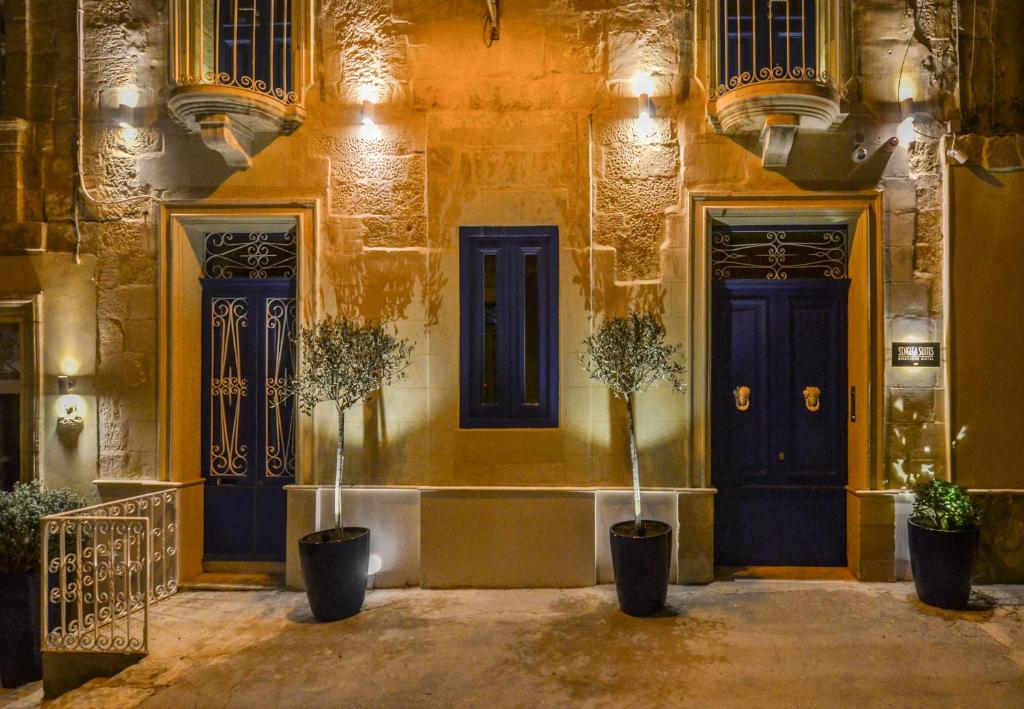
(628, 355)
(943, 542)
(343, 362)
(21, 512)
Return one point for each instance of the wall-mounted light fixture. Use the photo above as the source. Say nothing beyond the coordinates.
(958, 156)
(368, 113)
(69, 406)
(643, 87)
(125, 105)
(368, 98)
(128, 96)
(65, 384)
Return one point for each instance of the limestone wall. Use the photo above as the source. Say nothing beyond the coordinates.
(536, 129)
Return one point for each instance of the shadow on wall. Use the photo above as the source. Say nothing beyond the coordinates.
(603, 294)
(822, 161)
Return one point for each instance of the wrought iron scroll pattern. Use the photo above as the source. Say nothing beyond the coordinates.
(246, 46)
(780, 254)
(280, 409)
(750, 31)
(250, 255)
(228, 387)
(102, 568)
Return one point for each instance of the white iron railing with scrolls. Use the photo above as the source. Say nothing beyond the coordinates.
(102, 568)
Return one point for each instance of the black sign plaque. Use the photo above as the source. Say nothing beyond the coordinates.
(915, 354)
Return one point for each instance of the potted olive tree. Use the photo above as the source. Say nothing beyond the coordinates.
(21, 512)
(943, 536)
(628, 355)
(342, 361)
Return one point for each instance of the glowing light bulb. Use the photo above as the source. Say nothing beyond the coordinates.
(905, 132)
(643, 83)
(370, 131)
(368, 92)
(128, 96)
(70, 366)
(375, 564)
(644, 123)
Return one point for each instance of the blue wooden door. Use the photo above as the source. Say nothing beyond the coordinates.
(248, 438)
(779, 422)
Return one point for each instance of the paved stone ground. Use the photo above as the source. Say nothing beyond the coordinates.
(760, 643)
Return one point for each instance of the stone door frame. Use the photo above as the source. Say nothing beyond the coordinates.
(861, 212)
(181, 226)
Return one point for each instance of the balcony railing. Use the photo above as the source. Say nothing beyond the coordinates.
(102, 568)
(771, 40)
(240, 67)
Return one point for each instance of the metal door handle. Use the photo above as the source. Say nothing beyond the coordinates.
(812, 398)
(742, 396)
(853, 404)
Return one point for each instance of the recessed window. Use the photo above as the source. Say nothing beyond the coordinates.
(509, 344)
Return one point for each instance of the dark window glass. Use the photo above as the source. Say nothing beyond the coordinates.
(254, 45)
(490, 334)
(531, 330)
(509, 343)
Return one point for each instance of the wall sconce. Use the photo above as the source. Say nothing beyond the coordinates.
(958, 156)
(643, 87)
(128, 97)
(368, 119)
(65, 384)
(368, 113)
(69, 406)
(126, 106)
(645, 113)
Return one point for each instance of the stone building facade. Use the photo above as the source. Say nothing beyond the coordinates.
(537, 126)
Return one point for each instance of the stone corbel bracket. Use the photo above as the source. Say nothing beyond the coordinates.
(228, 119)
(777, 138)
(232, 139)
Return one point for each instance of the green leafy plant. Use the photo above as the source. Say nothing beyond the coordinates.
(628, 355)
(946, 506)
(345, 361)
(21, 512)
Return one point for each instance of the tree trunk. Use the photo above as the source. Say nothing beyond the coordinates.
(633, 461)
(339, 466)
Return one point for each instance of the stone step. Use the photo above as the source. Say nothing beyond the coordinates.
(228, 581)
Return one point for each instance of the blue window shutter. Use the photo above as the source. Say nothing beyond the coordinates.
(522, 258)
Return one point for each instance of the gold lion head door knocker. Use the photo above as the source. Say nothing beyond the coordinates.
(742, 396)
(812, 398)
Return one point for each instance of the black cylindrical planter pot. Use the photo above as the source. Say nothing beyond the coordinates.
(334, 568)
(641, 563)
(20, 656)
(942, 563)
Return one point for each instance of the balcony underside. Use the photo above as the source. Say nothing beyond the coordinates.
(776, 110)
(228, 118)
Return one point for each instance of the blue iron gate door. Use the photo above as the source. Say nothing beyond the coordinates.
(248, 424)
(779, 422)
